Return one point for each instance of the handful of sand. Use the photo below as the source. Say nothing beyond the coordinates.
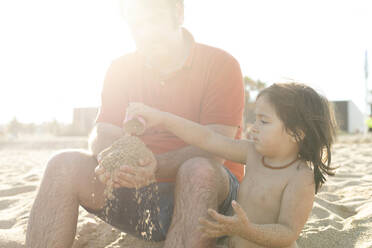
(127, 150)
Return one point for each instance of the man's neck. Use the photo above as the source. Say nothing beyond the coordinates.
(178, 54)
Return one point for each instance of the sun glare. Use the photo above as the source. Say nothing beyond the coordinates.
(54, 54)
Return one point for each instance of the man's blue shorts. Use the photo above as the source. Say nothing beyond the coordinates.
(146, 213)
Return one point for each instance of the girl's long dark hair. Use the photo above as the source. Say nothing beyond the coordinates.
(309, 117)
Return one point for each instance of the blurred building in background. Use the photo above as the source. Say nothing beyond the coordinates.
(349, 117)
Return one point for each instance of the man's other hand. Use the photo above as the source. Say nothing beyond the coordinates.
(136, 176)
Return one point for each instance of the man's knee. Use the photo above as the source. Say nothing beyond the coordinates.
(204, 173)
(197, 170)
(68, 162)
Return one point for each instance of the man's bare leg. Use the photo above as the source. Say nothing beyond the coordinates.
(67, 182)
(200, 184)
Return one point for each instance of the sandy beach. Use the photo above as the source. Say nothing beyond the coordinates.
(341, 216)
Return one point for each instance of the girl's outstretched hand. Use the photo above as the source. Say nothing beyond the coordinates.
(151, 115)
(225, 225)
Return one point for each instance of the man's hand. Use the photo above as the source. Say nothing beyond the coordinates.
(225, 225)
(130, 176)
(100, 171)
(136, 176)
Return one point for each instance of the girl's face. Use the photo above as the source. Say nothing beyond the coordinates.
(268, 132)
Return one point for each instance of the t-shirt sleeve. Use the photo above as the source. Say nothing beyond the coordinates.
(113, 97)
(223, 102)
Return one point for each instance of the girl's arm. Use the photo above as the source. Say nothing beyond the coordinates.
(194, 133)
(205, 138)
(297, 202)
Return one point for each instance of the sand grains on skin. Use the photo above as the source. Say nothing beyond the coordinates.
(127, 150)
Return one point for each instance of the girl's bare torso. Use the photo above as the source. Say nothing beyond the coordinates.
(260, 195)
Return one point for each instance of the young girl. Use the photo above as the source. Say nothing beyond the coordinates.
(286, 161)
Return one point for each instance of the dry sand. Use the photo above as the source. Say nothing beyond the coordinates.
(341, 217)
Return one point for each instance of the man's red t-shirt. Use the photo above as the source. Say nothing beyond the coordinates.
(208, 89)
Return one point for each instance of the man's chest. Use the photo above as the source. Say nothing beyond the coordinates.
(182, 94)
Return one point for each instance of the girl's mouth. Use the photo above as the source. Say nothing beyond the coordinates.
(251, 138)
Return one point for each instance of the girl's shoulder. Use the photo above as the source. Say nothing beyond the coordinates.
(303, 172)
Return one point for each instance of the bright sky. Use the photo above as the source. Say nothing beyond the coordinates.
(54, 54)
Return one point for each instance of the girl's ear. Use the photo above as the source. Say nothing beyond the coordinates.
(301, 136)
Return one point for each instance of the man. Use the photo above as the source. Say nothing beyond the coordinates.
(171, 72)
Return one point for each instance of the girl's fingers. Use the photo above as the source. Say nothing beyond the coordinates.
(238, 210)
(135, 104)
(209, 224)
(211, 233)
(133, 110)
(135, 107)
(219, 217)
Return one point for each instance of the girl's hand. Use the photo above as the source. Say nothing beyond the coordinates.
(223, 225)
(152, 116)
